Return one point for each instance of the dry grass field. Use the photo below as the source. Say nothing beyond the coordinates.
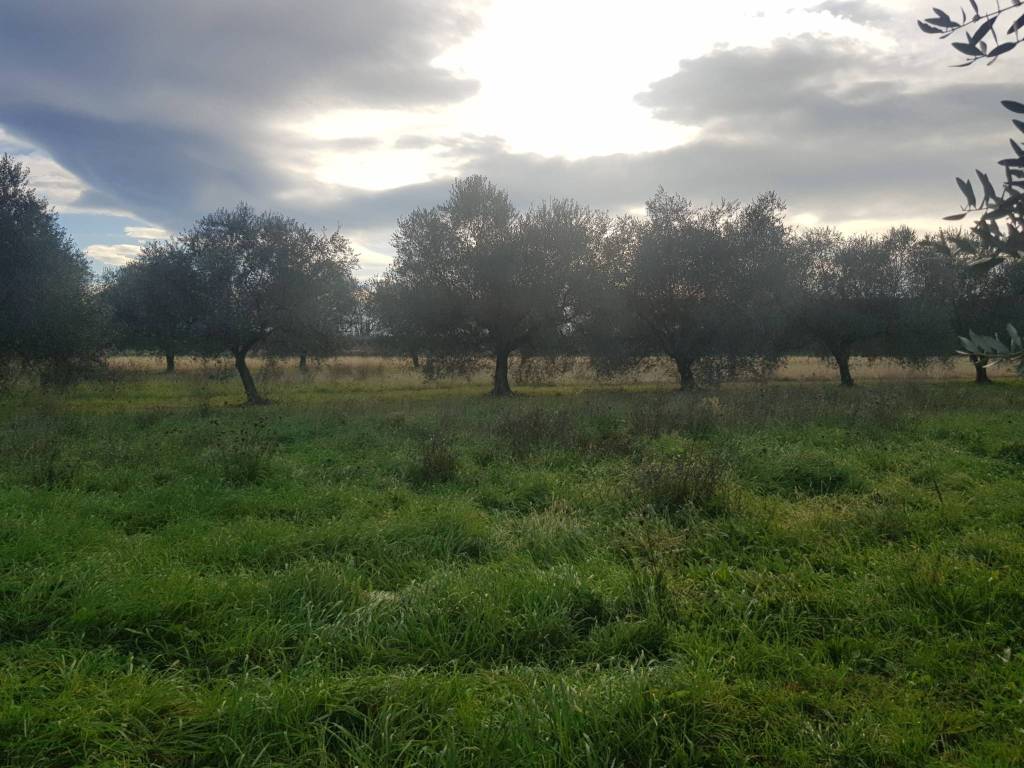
(399, 371)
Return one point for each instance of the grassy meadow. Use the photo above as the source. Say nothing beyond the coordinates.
(379, 571)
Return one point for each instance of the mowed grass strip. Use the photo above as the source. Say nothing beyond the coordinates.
(779, 574)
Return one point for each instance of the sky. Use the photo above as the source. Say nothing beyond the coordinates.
(137, 118)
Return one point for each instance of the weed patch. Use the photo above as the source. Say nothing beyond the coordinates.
(437, 464)
(691, 480)
(243, 454)
(527, 429)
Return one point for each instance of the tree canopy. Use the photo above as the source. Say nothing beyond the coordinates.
(870, 295)
(49, 315)
(697, 284)
(475, 276)
(260, 276)
(154, 301)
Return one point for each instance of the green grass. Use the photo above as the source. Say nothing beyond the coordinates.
(782, 575)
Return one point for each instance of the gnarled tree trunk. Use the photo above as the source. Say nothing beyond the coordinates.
(252, 396)
(980, 371)
(501, 386)
(686, 378)
(842, 357)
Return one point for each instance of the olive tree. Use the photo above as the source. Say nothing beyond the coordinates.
(261, 276)
(49, 314)
(999, 212)
(871, 295)
(700, 285)
(154, 301)
(988, 299)
(474, 276)
(321, 323)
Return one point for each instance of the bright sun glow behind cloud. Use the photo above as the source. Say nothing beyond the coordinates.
(557, 79)
(565, 98)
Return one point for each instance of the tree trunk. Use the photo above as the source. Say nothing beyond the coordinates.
(980, 371)
(252, 397)
(168, 362)
(501, 386)
(842, 356)
(415, 359)
(686, 377)
(303, 365)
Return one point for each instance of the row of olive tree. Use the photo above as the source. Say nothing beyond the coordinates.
(720, 290)
(236, 282)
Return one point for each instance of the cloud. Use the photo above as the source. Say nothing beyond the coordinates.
(113, 255)
(193, 61)
(838, 128)
(847, 133)
(844, 132)
(352, 143)
(859, 11)
(147, 233)
(170, 108)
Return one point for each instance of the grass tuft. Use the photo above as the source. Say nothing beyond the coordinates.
(689, 481)
(437, 464)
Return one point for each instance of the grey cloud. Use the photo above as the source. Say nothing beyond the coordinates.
(812, 87)
(375, 210)
(163, 174)
(833, 126)
(825, 122)
(462, 145)
(168, 107)
(836, 129)
(167, 110)
(827, 142)
(836, 183)
(192, 56)
(414, 142)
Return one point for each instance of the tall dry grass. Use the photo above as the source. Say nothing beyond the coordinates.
(399, 371)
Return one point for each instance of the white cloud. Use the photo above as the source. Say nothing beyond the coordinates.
(558, 79)
(113, 255)
(147, 233)
(373, 248)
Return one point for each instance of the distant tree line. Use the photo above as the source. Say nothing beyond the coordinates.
(721, 290)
